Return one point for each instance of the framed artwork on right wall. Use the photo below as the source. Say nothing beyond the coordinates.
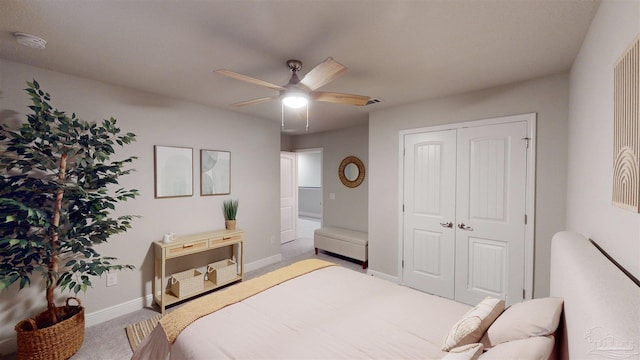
(626, 120)
(215, 172)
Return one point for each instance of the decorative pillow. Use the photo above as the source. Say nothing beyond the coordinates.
(473, 324)
(464, 352)
(538, 347)
(537, 317)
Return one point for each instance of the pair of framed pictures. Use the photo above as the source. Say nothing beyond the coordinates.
(173, 172)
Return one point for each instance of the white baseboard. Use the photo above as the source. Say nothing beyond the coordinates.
(309, 214)
(262, 263)
(382, 275)
(100, 316)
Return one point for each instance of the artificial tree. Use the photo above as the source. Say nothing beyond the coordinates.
(58, 188)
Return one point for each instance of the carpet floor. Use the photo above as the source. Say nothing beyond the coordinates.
(108, 340)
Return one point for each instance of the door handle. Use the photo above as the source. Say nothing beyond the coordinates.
(447, 224)
(462, 226)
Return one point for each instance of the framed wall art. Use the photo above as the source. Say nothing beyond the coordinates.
(173, 171)
(626, 140)
(215, 170)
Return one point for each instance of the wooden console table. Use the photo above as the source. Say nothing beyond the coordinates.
(192, 244)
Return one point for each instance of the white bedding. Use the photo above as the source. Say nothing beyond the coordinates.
(336, 313)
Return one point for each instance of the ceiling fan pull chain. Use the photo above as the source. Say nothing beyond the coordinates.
(307, 129)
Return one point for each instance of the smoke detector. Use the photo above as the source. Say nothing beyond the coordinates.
(29, 40)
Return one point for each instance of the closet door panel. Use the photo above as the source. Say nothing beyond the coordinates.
(429, 202)
(490, 209)
(487, 266)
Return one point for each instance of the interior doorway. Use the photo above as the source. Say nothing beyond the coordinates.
(310, 183)
(307, 190)
(309, 164)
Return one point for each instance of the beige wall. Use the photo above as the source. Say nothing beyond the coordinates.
(589, 208)
(548, 97)
(349, 208)
(254, 146)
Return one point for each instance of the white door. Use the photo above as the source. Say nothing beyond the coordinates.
(288, 196)
(474, 180)
(490, 208)
(429, 212)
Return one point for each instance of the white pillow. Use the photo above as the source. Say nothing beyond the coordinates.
(538, 347)
(473, 324)
(464, 352)
(537, 317)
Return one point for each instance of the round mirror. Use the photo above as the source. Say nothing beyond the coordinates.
(351, 171)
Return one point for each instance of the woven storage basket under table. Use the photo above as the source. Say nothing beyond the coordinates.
(222, 271)
(58, 341)
(186, 282)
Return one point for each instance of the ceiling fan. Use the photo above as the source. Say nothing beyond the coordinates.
(297, 92)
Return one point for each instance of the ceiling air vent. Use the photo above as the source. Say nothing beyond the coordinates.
(373, 101)
(29, 40)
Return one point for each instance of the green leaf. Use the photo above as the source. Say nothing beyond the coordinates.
(70, 263)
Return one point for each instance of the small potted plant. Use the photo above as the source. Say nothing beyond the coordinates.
(58, 188)
(230, 210)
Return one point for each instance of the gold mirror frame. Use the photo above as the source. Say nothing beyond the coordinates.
(341, 171)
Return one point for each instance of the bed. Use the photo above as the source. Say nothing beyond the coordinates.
(313, 310)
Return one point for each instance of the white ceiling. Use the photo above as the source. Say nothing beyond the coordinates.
(398, 51)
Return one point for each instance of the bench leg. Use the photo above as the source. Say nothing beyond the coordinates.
(364, 264)
(316, 251)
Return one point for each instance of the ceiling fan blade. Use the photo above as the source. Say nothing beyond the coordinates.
(340, 98)
(322, 74)
(254, 101)
(249, 79)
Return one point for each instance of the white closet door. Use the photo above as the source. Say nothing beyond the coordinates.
(429, 212)
(490, 209)
(288, 196)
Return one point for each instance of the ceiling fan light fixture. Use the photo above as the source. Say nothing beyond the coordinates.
(295, 99)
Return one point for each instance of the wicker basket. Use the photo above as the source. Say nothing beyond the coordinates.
(58, 341)
(222, 271)
(186, 282)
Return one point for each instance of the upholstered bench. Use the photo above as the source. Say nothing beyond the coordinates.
(345, 242)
